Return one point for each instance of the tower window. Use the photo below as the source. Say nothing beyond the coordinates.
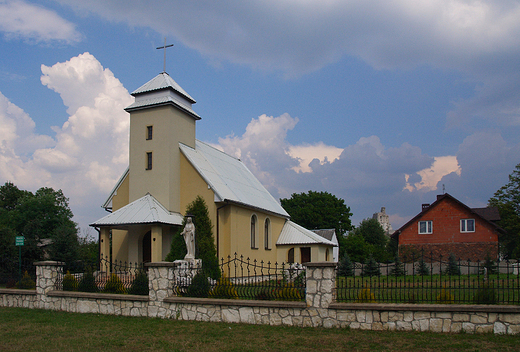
(149, 132)
(149, 161)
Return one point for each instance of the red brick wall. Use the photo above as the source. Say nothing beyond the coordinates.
(446, 236)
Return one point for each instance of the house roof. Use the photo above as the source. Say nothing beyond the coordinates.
(479, 212)
(162, 90)
(488, 213)
(145, 210)
(294, 234)
(230, 179)
(328, 234)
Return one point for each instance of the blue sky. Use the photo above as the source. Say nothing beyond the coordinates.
(392, 100)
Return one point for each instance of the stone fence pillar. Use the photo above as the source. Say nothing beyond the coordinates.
(321, 280)
(160, 277)
(46, 275)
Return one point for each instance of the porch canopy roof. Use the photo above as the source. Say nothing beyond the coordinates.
(143, 211)
(294, 234)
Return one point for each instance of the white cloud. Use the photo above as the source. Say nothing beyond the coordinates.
(88, 153)
(430, 177)
(306, 153)
(20, 19)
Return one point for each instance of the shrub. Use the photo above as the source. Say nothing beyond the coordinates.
(223, 289)
(140, 284)
(453, 268)
(422, 268)
(289, 293)
(489, 267)
(445, 297)
(114, 285)
(26, 283)
(265, 294)
(366, 296)
(398, 269)
(199, 286)
(371, 267)
(485, 295)
(88, 282)
(69, 282)
(346, 267)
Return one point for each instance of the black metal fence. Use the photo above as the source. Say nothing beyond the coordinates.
(104, 277)
(242, 278)
(426, 279)
(12, 271)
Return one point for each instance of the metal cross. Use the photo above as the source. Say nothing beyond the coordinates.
(164, 47)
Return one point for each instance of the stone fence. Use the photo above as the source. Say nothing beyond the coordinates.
(318, 310)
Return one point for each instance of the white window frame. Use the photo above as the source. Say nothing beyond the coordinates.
(429, 227)
(464, 225)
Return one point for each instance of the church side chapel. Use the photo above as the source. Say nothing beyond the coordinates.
(169, 168)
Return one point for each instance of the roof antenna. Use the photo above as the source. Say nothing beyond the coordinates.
(443, 189)
(164, 48)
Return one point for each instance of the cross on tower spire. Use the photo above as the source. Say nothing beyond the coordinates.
(164, 48)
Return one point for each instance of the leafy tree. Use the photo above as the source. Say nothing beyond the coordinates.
(320, 210)
(507, 199)
(367, 239)
(204, 242)
(42, 215)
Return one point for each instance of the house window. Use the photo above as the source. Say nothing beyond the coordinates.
(267, 233)
(149, 161)
(253, 232)
(425, 227)
(149, 132)
(467, 225)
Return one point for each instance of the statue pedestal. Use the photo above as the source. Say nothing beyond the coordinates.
(185, 270)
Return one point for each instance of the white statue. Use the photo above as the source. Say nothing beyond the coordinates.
(189, 238)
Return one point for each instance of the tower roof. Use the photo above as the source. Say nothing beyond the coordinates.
(162, 90)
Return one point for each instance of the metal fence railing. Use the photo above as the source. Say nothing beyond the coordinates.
(104, 277)
(242, 278)
(12, 271)
(425, 279)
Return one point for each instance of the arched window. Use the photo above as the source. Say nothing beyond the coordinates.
(253, 232)
(267, 234)
(327, 255)
(290, 256)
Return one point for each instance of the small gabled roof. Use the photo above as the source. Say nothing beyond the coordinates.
(145, 210)
(162, 90)
(329, 234)
(294, 234)
(230, 179)
(107, 205)
(426, 208)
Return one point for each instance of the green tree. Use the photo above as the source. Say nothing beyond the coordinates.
(42, 215)
(356, 247)
(367, 239)
(204, 242)
(320, 210)
(507, 199)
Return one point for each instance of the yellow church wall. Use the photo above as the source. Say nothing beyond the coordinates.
(120, 240)
(170, 126)
(240, 233)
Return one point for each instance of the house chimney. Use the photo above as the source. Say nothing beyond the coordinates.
(439, 196)
(425, 206)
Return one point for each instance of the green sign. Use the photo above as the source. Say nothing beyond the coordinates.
(19, 240)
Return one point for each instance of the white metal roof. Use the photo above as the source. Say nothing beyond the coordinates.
(162, 90)
(145, 210)
(230, 179)
(162, 81)
(294, 234)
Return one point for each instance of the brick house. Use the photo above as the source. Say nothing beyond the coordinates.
(449, 226)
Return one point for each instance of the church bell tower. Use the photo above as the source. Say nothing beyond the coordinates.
(160, 118)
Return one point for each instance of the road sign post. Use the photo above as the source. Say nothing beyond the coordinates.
(19, 242)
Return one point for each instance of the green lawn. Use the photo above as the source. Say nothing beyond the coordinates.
(41, 330)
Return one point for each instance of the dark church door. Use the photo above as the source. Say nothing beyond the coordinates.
(147, 247)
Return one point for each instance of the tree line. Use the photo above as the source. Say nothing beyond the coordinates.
(44, 219)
